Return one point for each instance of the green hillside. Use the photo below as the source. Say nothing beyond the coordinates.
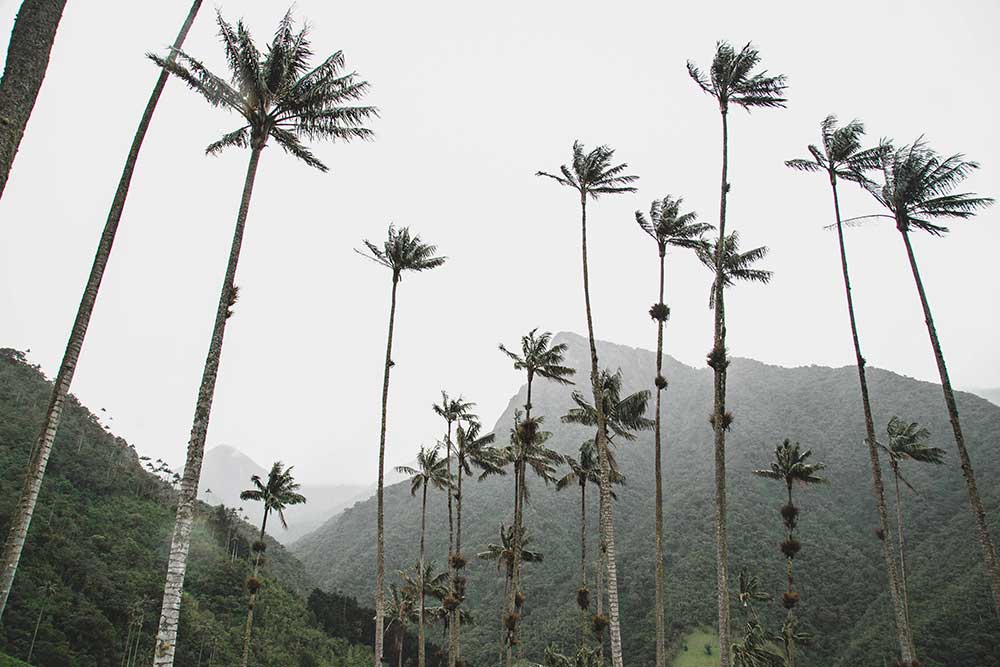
(93, 565)
(839, 572)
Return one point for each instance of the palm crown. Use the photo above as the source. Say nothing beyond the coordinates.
(402, 252)
(624, 415)
(669, 227)
(732, 79)
(475, 450)
(842, 155)
(540, 358)
(736, 265)
(503, 553)
(431, 470)
(790, 466)
(527, 444)
(581, 472)
(277, 493)
(277, 94)
(909, 442)
(452, 409)
(592, 173)
(917, 187)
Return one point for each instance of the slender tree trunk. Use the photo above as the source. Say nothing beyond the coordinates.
(451, 549)
(399, 644)
(34, 635)
(584, 613)
(903, 591)
(789, 629)
(721, 361)
(180, 544)
(904, 635)
(248, 629)
(27, 59)
(517, 538)
(43, 447)
(380, 541)
(601, 558)
(989, 550)
(421, 651)
(454, 627)
(660, 599)
(607, 526)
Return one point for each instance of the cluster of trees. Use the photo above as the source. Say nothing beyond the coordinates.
(284, 99)
(88, 585)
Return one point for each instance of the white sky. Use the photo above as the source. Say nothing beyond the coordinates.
(475, 97)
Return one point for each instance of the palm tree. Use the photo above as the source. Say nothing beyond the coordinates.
(53, 415)
(917, 191)
(399, 610)
(842, 158)
(907, 442)
(592, 175)
(736, 265)
(452, 411)
(399, 252)
(48, 589)
(582, 472)
(277, 493)
(27, 59)
(431, 471)
(668, 227)
(732, 79)
(280, 99)
(538, 357)
(526, 451)
(791, 467)
(623, 417)
(503, 554)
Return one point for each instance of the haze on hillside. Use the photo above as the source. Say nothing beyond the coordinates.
(475, 99)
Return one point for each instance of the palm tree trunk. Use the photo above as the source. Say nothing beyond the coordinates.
(43, 448)
(601, 557)
(454, 628)
(451, 549)
(989, 551)
(166, 636)
(248, 629)
(380, 541)
(583, 559)
(721, 361)
(904, 634)
(421, 651)
(607, 527)
(660, 598)
(27, 59)
(517, 540)
(34, 635)
(399, 644)
(903, 591)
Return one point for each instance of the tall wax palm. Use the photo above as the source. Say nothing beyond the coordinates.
(399, 610)
(279, 491)
(27, 60)
(279, 98)
(581, 473)
(733, 78)
(791, 467)
(452, 410)
(67, 368)
(527, 451)
(400, 252)
(668, 227)
(424, 582)
(623, 417)
(842, 157)
(907, 442)
(538, 357)
(593, 174)
(473, 450)
(503, 554)
(918, 192)
(431, 471)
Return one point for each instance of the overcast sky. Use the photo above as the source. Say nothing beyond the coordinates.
(476, 97)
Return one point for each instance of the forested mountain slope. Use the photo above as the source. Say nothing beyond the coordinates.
(840, 571)
(93, 567)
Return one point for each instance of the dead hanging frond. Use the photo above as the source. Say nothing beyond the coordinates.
(717, 358)
(660, 312)
(660, 382)
(583, 597)
(234, 296)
